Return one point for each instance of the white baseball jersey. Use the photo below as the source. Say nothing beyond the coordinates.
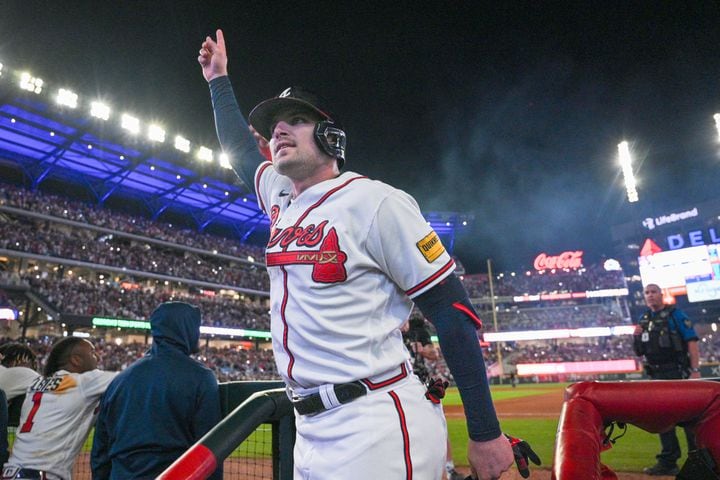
(14, 381)
(56, 417)
(343, 258)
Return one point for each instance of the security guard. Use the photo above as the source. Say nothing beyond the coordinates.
(666, 338)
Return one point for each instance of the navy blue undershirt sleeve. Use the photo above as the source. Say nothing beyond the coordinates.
(232, 131)
(457, 333)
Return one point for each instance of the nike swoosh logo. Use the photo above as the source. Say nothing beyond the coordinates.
(283, 193)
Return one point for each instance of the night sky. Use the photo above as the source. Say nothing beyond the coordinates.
(508, 111)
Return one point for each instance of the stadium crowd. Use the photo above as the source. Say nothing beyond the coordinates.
(108, 298)
(603, 348)
(589, 278)
(94, 214)
(52, 238)
(602, 314)
(61, 241)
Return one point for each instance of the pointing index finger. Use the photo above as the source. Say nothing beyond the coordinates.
(220, 38)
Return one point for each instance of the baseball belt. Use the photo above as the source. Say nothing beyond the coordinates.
(344, 392)
(17, 473)
(333, 395)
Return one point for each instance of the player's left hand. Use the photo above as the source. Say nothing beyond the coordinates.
(522, 452)
(488, 460)
(436, 390)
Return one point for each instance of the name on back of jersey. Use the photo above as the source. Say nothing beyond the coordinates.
(46, 384)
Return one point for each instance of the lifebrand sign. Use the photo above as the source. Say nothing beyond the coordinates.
(651, 222)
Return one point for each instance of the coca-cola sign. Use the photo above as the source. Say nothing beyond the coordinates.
(569, 259)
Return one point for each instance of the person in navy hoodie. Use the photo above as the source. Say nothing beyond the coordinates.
(159, 406)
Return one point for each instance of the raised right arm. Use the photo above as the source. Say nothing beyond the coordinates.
(232, 129)
(233, 132)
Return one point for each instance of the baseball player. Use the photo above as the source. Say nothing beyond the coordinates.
(18, 369)
(17, 363)
(347, 256)
(58, 412)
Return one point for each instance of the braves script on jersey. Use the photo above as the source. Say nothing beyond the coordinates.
(343, 258)
(57, 415)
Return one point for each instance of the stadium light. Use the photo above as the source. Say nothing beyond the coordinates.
(156, 133)
(130, 123)
(99, 110)
(717, 124)
(225, 161)
(626, 164)
(182, 144)
(30, 83)
(67, 98)
(204, 154)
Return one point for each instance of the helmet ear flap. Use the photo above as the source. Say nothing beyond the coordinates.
(331, 140)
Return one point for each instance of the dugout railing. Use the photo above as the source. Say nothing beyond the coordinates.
(256, 405)
(255, 439)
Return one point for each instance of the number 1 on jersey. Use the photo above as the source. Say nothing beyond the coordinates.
(36, 399)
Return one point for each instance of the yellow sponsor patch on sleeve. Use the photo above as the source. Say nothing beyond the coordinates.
(431, 247)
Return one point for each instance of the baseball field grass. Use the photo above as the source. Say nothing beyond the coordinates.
(630, 453)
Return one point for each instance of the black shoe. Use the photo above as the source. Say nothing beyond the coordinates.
(662, 469)
(454, 475)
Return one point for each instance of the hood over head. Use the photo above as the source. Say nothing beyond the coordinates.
(177, 324)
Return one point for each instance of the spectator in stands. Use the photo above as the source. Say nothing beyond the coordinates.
(58, 412)
(159, 406)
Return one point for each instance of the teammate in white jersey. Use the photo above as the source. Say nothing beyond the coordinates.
(58, 412)
(18, 369)
(346, 255)
(17, 364)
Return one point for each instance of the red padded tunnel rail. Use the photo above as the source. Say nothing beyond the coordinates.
(655, 406)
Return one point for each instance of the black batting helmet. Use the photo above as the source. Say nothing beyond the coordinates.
(329, 134)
